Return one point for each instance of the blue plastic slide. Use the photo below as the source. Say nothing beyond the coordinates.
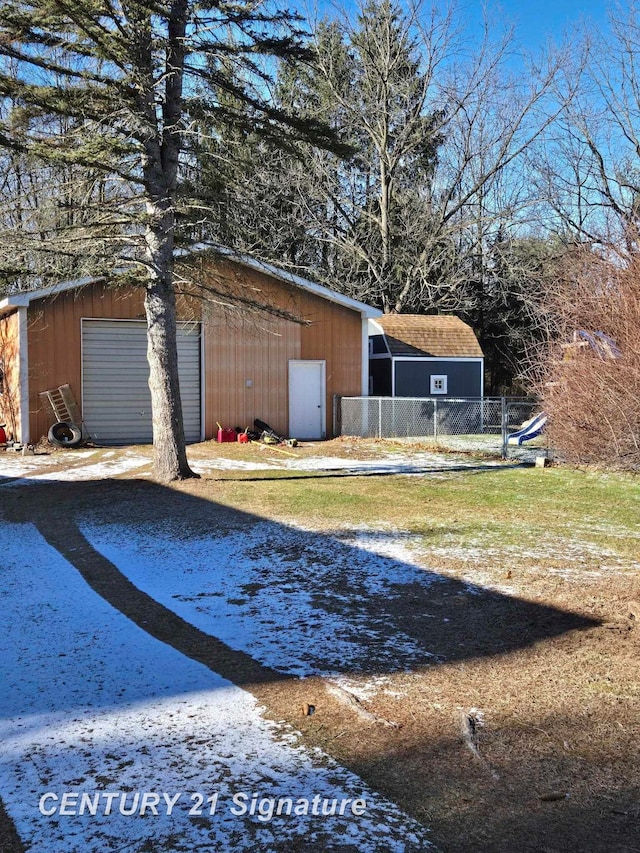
(529, 429)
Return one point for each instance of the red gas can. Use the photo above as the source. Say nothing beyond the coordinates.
(226, 435)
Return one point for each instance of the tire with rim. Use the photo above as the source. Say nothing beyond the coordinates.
(65, 434)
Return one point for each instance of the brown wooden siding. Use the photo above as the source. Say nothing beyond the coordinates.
(242, 350)
(239, 346)
(335, 335)
(10, 391)
(55, 339)
(259, 347)
(246, 346)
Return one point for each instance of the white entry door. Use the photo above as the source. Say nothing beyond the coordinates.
(307, 394)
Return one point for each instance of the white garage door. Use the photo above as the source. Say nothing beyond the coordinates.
(116, 401)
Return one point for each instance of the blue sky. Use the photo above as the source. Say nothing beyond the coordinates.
(537, 20)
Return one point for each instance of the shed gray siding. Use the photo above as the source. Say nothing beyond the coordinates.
(413, 377)
(378, 345)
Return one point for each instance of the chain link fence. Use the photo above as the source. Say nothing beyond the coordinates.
(471, 424)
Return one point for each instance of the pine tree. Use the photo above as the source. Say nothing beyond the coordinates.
(367, 211)
(437, 129)
(111, 86)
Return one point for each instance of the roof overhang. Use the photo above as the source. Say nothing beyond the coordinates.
(286, 276)
(19, 300)
(431, 347)
(24, 299)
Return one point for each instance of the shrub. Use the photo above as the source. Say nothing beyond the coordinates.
(589, 379)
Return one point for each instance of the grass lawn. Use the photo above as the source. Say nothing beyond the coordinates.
(471, 635)
(561, 715)
(495, 507)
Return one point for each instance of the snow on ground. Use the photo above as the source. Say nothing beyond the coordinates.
(391, 463)
(93, 705)
(302, 602)
(124, 463)
(112, 463)
(16, 465)
(74, 467)
(406, 462)
(220, 463)
(574, 557)
(492, 443)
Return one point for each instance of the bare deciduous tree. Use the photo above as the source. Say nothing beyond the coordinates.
(588, 168)
(589, 375)
(48, 210)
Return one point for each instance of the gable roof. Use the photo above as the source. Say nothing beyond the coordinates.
(284, 275)
(24, 298)
(426, 335)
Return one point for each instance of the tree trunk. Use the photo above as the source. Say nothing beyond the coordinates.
(169, 449)
(160, 165)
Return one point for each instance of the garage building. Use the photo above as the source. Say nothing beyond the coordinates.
(254, 341)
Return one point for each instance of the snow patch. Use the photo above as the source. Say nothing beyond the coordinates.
(102, 470)
(301, 602)
(91, 703)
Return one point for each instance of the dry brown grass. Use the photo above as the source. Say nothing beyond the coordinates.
(554, 675)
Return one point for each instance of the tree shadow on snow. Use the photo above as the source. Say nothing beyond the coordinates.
(259, 601)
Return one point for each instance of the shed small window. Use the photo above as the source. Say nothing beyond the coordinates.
(438, 384)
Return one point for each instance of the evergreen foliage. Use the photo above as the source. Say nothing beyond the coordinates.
(411, 218)
(111, 86)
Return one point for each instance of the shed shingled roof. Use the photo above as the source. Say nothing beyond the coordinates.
(429, 335)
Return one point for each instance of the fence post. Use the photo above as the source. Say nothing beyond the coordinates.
(379, 417)
(435, 419)
(336, 429)
(503, 419)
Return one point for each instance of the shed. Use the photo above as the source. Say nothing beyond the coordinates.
(235, 365)
(415, 355)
